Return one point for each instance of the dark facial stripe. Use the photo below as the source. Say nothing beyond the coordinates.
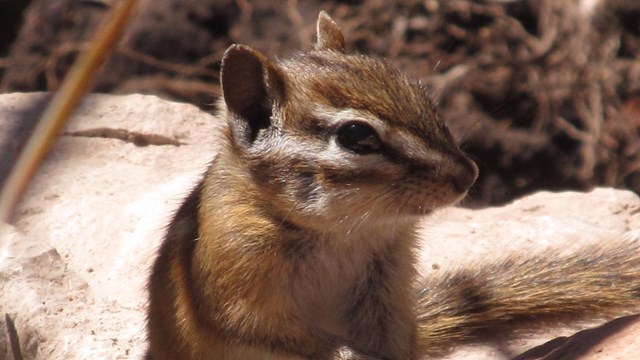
(335, 174)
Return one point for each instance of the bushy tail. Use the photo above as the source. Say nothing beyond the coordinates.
(596, 281)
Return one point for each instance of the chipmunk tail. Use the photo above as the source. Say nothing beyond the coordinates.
(596, 281)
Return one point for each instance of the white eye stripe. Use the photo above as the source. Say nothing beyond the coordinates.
(414, 148)
(337, 117)
(401, 141)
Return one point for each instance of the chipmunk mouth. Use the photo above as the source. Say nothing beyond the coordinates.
(420, 206)
(421, 195)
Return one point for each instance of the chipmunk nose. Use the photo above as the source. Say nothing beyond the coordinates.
(465, 173)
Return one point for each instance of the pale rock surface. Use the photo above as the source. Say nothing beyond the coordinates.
(96, 213)
(74, 263)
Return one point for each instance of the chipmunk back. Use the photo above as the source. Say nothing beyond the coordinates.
(299, 241)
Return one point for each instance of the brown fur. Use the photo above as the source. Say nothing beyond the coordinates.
(294, 246)
(595, 282)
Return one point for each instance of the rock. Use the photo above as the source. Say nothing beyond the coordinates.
(57, 315)
(74, 264)
(96, 212)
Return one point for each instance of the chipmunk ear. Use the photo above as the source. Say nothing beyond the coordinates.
(329, 34)
(251, 85)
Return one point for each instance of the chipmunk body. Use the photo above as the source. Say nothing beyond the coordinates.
(299, 241)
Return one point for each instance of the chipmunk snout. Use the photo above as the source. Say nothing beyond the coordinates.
(465, 173)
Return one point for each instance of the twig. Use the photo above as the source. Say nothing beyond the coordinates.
(63, 103)
(165, 65)
(14, 341)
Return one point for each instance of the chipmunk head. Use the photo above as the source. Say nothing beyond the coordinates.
(329, 134)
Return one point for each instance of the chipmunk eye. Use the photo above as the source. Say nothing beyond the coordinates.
(359, 138)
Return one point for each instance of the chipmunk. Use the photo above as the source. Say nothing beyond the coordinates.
(300, 240)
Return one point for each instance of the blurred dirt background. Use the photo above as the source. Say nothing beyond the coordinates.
(544, 94)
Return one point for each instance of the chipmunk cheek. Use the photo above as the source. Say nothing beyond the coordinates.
(305, 186)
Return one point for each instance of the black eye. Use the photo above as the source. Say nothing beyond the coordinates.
(359, 138)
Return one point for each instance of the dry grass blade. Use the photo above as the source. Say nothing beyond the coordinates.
(14, 341)
(64, 102)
